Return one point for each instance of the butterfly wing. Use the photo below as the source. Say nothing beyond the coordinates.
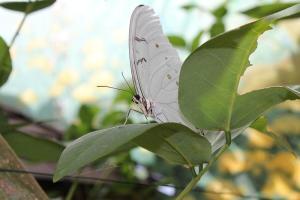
(155, 65)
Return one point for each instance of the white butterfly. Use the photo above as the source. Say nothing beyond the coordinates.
(155, 68)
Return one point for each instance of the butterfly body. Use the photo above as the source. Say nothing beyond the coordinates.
(144, 104)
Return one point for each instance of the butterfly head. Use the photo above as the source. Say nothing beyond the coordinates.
(136, 99)
(144, 104)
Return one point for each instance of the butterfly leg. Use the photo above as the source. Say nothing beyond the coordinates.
(127, 116)
(128, 113)
(148, 122)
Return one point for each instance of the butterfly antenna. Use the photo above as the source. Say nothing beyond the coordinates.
(105, 86)
(127, 83)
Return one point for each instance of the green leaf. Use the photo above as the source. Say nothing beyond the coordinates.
(114, 118)
(217, 28)
(5, 62)
(196, 41)
(174, 142)
(251, 105)
(220, 12)
(123, 97)
(177, 41)
(3, 121)
(189, 6)
(87, 113)
(22, 6)
(33, 148)
(267, 9)
(260, 124)
(76, 130)
(210, 76)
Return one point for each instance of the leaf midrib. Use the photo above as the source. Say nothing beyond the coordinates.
(177, 150)
(235, 94)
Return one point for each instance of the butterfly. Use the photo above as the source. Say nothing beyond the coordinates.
(155, 68)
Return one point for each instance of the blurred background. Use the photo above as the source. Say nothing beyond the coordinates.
(63, 52)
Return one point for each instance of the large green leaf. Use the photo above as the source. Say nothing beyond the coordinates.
(267, 9)
(5, 62)
(210, 76)
(249, 106)
(22, 6)
(174, 142)
(33, 148)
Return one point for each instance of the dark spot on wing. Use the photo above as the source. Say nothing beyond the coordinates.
(136, 38)
(141, 61)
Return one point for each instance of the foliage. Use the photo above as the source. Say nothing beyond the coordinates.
(177, 41)
(214, 71)
(171, 141)
(5, 62)
(86, 117)
(31, 148)
(23, 6)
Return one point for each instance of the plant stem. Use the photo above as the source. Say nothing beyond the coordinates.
(72, 191)
(196, 179)
(18, 30)
(27, 11)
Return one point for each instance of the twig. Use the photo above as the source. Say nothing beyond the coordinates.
(27, 11)
(196, 179)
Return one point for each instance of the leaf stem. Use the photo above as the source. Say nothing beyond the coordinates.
(18, 30)
(27, 11)
(196, 179)
(72, 190)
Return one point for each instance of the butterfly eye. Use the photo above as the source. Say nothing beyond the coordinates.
(137, 97)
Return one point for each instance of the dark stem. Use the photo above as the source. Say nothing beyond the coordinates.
(27, 11)
(196, 179)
